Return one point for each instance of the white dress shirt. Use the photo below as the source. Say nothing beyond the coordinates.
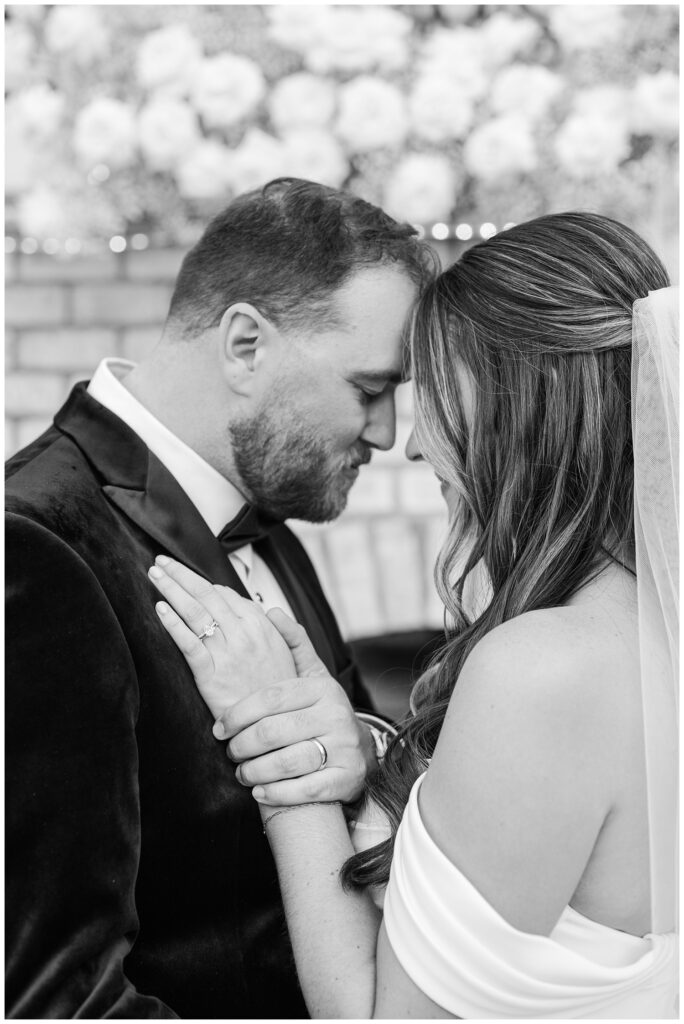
(214, 497)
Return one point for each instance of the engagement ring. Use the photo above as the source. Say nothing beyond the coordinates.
(208, 630)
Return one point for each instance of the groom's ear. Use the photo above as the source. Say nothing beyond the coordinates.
(243, 336)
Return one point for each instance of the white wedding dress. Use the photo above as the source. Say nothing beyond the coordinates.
(462, 954)
(451, 942)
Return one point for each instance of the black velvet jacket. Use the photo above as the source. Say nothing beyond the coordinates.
(139, 883)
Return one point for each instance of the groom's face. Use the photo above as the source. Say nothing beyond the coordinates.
(330, 403)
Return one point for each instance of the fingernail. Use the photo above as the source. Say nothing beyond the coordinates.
(258, 792)
(162, 559)
(155, 573)
(162, 609)
(219, 730)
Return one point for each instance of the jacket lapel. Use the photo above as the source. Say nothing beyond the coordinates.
(142, 488)
(295, 582)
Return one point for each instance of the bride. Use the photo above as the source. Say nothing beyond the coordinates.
(527, 862)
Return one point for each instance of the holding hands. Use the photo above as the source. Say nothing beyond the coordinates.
(289, 724)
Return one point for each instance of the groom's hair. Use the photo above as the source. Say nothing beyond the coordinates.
(286, 249)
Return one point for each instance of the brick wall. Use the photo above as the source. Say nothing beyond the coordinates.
(64, 315)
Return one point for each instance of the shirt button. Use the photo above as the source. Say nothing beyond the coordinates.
(258, 597)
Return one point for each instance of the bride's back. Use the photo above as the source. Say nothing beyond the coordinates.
(536, 789)
(615, 889)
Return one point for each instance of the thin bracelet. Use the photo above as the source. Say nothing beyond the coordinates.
(296, 807)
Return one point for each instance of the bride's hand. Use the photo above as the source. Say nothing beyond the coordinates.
(242, 650)
(281, 725)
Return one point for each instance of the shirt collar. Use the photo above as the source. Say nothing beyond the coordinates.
(215, 498)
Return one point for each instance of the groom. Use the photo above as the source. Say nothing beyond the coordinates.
(139, 883)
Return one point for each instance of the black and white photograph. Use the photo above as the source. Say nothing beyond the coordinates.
(342, 511)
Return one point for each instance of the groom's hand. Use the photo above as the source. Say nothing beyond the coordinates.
(270, 735)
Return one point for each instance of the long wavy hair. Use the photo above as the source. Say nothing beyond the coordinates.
(539, 318)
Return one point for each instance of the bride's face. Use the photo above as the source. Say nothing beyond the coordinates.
(466, 387)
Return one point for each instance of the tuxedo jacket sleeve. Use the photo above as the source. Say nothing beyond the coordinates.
(71, 914)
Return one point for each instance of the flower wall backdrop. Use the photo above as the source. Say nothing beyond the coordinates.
(143, 120)
(127, 127)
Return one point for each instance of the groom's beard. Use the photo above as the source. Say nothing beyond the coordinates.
(289, 471)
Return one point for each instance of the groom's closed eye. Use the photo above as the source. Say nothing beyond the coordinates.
(371, 384)
(366, 395)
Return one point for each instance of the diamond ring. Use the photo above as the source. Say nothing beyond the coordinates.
(208, 630)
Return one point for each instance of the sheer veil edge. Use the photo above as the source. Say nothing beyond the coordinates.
(655, 427)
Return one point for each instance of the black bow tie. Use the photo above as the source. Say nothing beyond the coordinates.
(248, 527)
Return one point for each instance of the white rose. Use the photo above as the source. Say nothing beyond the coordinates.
(19, 53)
(655, 105)
(167, 131)
(422, 189)
(38, 110)
(359, 39)
(302, 101)
(76, 31)
(167, 59)
(438, 111)
(372, 115)
(105, 132)
(315, 155)
(500, 147)
(226, 89)
(526, 89)
(586, 27)
(505, 36)
(589, 145)
(391, 31)
(458, 56)
(257, 159)
(296, 27)
(205, 173)
(42, 213)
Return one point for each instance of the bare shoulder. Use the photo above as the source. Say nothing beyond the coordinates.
(530, 759)
(573, 660)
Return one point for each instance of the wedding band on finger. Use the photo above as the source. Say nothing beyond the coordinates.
(208, 630)
(323, 752)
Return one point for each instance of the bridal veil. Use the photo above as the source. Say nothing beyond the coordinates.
(655, 429)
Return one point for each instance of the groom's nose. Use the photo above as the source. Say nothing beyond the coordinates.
(381, 426)
(413, 452)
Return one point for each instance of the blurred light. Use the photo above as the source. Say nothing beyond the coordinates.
(117, 243)
(29, 246)
(72, 246)
(511, 224)
(440, 231)
(139, 242)
(10, 244)
(463, 232)
(420, 230)
(100, 172)
(487, 230)
(51, 246)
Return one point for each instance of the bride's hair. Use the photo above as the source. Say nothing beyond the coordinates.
(540, 318)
